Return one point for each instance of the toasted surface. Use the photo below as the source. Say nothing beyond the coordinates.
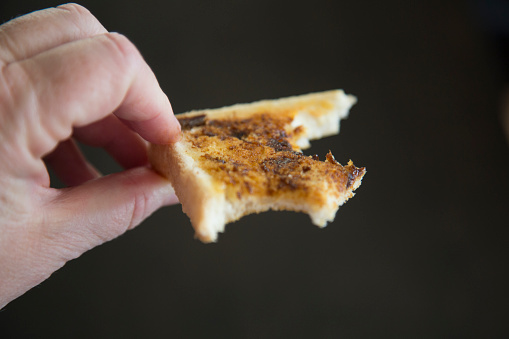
(246, 158)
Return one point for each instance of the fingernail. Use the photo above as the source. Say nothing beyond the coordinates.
(169, 196)
(176, 133)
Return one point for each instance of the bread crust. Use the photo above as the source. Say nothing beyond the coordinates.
(246, 158)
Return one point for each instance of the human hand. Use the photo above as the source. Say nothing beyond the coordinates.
(64, 77)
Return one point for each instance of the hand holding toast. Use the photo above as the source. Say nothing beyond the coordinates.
(64, 77)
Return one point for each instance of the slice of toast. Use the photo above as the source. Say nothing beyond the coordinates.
(246, 158)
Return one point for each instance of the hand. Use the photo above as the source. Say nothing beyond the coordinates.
(64, 77)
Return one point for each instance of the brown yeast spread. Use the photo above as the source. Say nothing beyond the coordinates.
(258, 156)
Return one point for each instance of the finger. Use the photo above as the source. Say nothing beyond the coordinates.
(82, 217)
(39, 31)
(125, 146)
(81, 82)
(100, 210)
(70, 165)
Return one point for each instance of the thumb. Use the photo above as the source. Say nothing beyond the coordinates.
(102, 209)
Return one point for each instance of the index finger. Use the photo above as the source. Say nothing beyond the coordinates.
(39, 31)
(81, 82)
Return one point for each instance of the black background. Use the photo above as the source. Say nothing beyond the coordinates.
(420, 252)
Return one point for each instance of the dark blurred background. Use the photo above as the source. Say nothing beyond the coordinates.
(420, 252)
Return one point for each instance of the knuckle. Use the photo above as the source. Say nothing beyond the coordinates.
(16, 82)
(142, 202)
(140, 206)
(25, 120)
(82, 18)
(75, 9)
(124, 48)
(123, 44)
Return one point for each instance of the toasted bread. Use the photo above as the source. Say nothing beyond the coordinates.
(246, 158)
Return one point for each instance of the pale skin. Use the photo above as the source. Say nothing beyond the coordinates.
(63, 78)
